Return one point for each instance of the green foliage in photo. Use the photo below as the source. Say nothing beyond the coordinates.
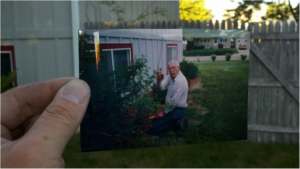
(6, 81)
(189, 70)
(213, 57)
(120, 100)
(243, 57)
(208, 52)
(227, 56)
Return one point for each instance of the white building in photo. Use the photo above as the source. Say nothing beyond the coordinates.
(158, 46)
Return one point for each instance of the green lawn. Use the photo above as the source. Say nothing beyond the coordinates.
(242, 154)
(224, 96)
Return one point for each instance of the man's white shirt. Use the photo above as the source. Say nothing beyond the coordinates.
(177, 91)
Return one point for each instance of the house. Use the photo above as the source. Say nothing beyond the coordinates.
(211, 38)
(158, 46)
(41, 37)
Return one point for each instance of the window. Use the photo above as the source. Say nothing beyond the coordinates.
(222, 40)
(118, 57)
(206, 40)
(172, 52)
(8, 63)
(216, 40)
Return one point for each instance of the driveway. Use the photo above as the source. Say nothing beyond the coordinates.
(236, 56)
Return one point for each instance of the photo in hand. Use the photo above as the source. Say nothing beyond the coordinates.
(163, 87)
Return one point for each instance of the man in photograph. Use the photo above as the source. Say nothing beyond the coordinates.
(173, 116)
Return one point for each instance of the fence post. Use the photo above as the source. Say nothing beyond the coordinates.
(223, 24)
(229, 24)
(217, 25)
(235, 24)
(211, 25)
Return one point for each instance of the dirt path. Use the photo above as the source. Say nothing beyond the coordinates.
(195, 84)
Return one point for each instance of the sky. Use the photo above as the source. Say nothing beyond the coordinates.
(218, 7)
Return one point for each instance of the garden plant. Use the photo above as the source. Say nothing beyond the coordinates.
(213, 57)
(243, 57)
(7, 80)
(227, 56)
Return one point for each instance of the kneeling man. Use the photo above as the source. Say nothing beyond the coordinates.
(172, 118)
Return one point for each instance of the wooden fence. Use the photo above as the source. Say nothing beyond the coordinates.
(273, 92)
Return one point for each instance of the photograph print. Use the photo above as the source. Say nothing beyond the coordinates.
(163, 87)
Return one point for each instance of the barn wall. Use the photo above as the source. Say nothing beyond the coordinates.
(41, 33)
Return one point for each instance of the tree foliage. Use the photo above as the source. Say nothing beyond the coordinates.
(6, 81)
(119, 103)
(119, 11)
(193, 10)
(275, 11)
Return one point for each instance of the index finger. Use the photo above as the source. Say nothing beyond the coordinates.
(23, 102)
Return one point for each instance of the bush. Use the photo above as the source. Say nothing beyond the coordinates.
(220, 46)
(213, 57)
(209, 52)
(189, 69)
(190, 45)
(243, 57)
(117, 108)
(158, 94)
(228, 56)
(199, 47)
(7, 80)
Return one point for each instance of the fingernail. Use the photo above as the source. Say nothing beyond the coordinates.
(76, 91)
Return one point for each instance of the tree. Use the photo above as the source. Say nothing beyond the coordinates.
(193, 10)
(119, 11)
(275, 11)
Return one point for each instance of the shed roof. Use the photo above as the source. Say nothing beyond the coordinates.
(158, 34)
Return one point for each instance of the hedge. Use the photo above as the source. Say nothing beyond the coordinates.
(208, 52)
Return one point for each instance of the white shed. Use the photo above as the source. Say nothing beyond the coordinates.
(159, 46)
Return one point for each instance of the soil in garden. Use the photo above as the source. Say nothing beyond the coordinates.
(195, 84)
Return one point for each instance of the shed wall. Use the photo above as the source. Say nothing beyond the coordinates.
(41, 32)
(153, 49)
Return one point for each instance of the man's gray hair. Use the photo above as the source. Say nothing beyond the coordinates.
(174, 62)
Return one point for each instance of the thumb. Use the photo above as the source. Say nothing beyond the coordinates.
(59, 121)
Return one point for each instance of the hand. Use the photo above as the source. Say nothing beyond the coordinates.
(38, 120)
(159, 76)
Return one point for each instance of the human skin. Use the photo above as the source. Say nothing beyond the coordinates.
(173, 70)
(38, 120)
